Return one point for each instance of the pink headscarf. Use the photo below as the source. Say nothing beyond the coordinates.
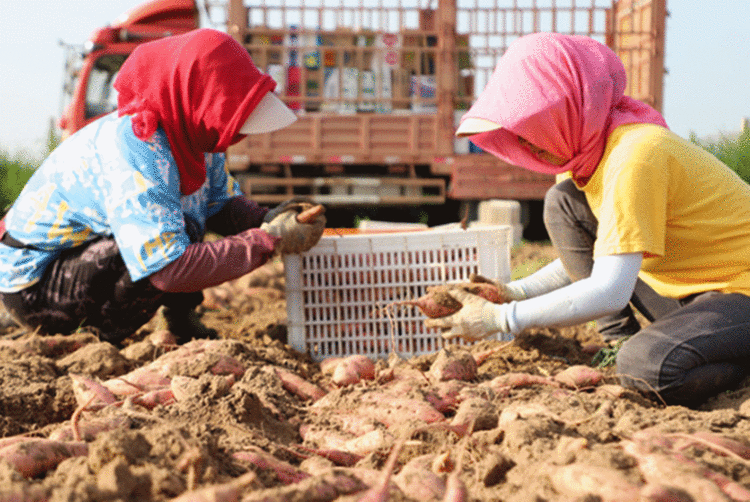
(563, 93)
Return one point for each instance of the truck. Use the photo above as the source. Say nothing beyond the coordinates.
(379, 88)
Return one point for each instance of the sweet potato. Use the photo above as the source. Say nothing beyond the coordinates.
(445, 396)
(379, 492)
(311, 214)
(579, 376)
(329, 440)
(720, 444)
(481, 357)
(299, 386)
(489, 292)
(455, 489)
(327, 486)
(392, 410)
(515, 380)
(419, 481)
(328, 365)
(226, 492)
(338, 457)
(285, 472)
(90, 392)
(476, 413)
(673, 469)
(433, 304)
(368, 443)
(154, 398)
(578, 481)
(143, 379)
(353, 369)
(89, 429)
(162, 338)
(453, 364)
(35, 456)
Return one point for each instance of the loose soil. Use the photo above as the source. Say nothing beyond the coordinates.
(230, 414)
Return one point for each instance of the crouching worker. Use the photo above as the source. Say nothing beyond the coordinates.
(111, 225)
(644, 217)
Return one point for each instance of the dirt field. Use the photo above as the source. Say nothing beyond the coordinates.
(246, 418)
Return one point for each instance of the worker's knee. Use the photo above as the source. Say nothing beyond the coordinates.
(651, 362)
(636, 364)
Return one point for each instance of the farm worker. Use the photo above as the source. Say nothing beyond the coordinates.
(640, 214)
(111, 225)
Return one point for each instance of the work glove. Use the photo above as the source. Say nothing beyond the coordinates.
(295, 203)
(477, 319)
(299, 226)
(508, 290)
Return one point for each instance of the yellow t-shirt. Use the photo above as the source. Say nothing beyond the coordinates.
(687, 212)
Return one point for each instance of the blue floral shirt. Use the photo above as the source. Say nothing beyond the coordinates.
(104, 181)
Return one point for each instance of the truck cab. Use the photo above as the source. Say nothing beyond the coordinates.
(90, 72)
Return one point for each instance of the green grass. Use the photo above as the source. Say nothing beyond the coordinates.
(734, 152)
(15, 171)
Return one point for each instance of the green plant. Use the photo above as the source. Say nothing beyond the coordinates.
(15, 171)
(733, 151)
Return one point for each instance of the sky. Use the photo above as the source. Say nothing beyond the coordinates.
(706, 89)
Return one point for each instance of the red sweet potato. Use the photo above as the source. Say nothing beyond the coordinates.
(673, 469)
(720, 444)
(328, 365)
(299, 386)
(417, 479)
(445, 396)
(326, 439)
(35, 456)
(143, 379)
(154, 398)
(285, 472)
(353, 369)
(578, 481)
(90, 392)
(379, 492)
(226, 492)
(89, 429)
(338, 457)
(515, 380)
(454, 364)
(391, 410)
(476, 414)
(489, 292)
(435, 303)
(579, 376)
(455, 489)
(311, 214)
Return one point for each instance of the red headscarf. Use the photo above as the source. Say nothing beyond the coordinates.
(200, 87)
(563, 93)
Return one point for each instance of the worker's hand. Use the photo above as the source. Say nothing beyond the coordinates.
(506, 289)
(299, 227)
(476, 320)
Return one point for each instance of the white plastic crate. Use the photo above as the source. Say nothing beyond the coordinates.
(336, 291)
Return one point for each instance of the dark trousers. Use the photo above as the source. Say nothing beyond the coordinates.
(694, 348)
(89, 286)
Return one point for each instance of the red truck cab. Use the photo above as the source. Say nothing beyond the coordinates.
(106, 50)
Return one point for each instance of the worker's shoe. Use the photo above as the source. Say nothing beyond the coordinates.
(184, 324)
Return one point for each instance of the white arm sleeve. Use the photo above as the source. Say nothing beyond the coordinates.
(548, 278)
(607, 291)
